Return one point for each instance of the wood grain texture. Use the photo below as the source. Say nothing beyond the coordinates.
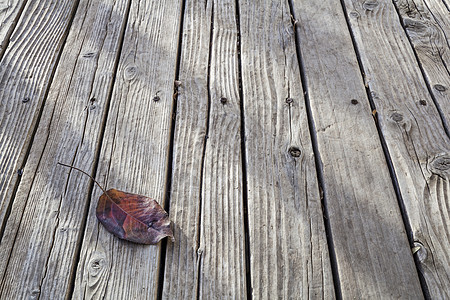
(414, 134)
(43, 232)
(427, 24)
(181, 274)
(373, 256)
(10, 11)
(25, 72)
(222, 246)
(134, 155)
(288, 247)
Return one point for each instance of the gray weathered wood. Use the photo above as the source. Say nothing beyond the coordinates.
(43, 232)
(414, 134)
(25, 72)
(181, 274)
(213, 262)
(288, 247)
(427, 24)
(10, 11)
(373, 256)
(222, 249)
(134, 155)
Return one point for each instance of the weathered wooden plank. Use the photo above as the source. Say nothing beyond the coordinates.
(208, 177)
(222, 247)
(414, 134)
(427, 24)
(10, 11)
(181, 273)
(372, 253)
(25, 72)
(43, 232)
(288, 247)
(135, 151)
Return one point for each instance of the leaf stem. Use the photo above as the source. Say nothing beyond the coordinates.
(85, 173)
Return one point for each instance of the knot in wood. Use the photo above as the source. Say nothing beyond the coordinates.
(89, 54)
(415, 26)
(397, 117)
(295, 152)
(354, 14)
(370, 5)
(440, 87)
(130, 72)
(35, 293)
(96, 265)
(440, 165)
(422, 252)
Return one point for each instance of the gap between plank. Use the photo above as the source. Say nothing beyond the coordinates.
(169, 169)
(76, 259)
(11, 30)
(248, 276)
(16, 187)
(387, 155)
(27, 153)
(248, 280)
(36, 125)
(318, 161)
(446, 5)
(419, 63)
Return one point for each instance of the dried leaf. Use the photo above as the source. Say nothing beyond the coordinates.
(133, 217)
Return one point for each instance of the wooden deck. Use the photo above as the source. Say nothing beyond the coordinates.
(301, 148)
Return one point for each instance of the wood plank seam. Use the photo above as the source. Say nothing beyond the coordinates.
(184, 260)
(5, 34)
(392, 171)
(108, 57)
(40, 110)
(136, 142)
(80, 241)
(420, 129)
(169, 168)
(387, 154)
(330, 58)
(317, 160)
(248, 274)
(426, 79)
(58, 57)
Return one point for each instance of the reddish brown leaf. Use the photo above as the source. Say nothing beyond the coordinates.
(133, 217)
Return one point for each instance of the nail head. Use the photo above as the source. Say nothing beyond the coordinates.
(295, 151)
